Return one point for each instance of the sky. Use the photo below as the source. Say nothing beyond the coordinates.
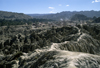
(48, 6)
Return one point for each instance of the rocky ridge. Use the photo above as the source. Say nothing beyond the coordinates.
(66, 47)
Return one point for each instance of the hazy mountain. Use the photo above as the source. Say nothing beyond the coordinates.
(13, 15)
(37, 14)
(66, 15)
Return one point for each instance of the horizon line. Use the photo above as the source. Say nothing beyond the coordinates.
(51, 13)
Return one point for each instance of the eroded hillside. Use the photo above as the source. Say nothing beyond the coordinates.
(64, 47)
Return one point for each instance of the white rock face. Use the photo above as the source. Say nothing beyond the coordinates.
(53, 57)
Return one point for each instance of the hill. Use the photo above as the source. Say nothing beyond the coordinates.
(66, 47)
(97, 20)
(66, 15)
(12, 15)
(12, 18)
(79, 17)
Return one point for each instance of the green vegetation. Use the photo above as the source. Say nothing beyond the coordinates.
(96, 20)
(13, 16)
(79, 17)
(4, 22)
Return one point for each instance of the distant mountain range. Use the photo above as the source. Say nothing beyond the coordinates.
(66, 15)
(12, 18)
(12, 15)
